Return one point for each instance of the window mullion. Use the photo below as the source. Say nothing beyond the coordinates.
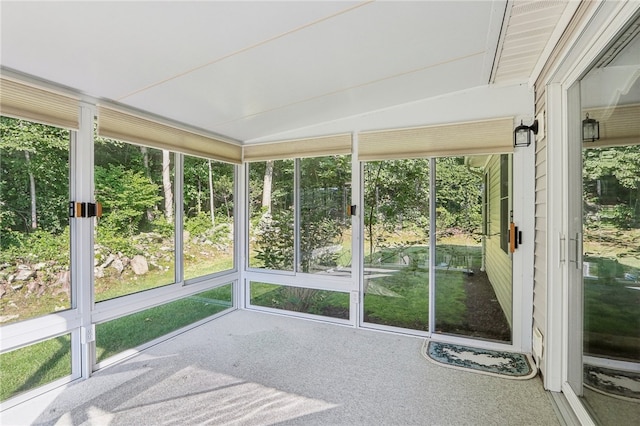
(296, 216)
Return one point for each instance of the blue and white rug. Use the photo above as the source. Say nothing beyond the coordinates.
(617, 383)
(508, 365)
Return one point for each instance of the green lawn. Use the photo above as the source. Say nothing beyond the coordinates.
(133, 330)
(44, 362)
(33, 366)
(612, 309)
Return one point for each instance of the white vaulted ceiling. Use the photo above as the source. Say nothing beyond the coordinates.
(255, 70)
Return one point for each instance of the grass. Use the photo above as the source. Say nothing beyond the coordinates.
(33, 366)
(333, 304)
(611, 314)
(133, 330)
(113, 285)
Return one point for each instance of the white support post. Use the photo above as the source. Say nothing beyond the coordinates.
(241, 232)
(523, 172)
(432, 245)
(82, 190)
(178, 199)
(356, 313)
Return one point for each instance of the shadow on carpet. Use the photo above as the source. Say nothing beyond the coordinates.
(508, 365)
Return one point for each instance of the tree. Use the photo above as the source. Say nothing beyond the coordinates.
(612, 185)
(266, 186)
(126, 195)
(35, 176)
(166, 185)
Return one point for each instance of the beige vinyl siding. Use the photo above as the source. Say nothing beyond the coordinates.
(540, 229)
(542, 238)
(498, 263)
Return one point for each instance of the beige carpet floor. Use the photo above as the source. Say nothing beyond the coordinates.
(251, 368)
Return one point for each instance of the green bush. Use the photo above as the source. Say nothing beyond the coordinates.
(38, 246)
(198, 225)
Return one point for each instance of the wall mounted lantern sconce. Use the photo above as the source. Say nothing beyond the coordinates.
(522, 134)
(590, 129)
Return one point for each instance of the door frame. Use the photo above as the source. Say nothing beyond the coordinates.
(592, 35)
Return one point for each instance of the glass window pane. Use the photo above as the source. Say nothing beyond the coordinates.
(325, 237)
(473, 274)
(33, 366)
(134, 243)
(271, 215)
(34, 220)
(611, 267)
(208, 216)
(396, 243)
(298, 299)
(133, 330)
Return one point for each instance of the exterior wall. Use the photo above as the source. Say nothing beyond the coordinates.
(540, 232)
(498, 264)
(543, 240)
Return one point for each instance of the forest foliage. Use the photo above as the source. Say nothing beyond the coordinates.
(129, 181)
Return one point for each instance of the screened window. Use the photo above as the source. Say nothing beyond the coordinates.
(35, 277)
(134, 243)
(208, 216)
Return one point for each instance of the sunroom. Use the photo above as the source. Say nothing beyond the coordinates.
(352, 163)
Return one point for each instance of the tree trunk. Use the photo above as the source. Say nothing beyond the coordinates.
(199, 197)
(147, 172)
(145, 160)
(211, 207)
(266, 188)
(166, 185)
(32, 192)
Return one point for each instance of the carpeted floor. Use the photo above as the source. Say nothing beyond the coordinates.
(251, 368)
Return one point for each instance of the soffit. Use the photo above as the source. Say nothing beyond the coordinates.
(531, 29)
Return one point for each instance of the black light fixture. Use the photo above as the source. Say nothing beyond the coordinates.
(590, 129)
(522, 134)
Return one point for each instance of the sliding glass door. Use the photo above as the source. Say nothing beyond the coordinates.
(439, 233)
(604, 236)
(473, 267)
(396, 243)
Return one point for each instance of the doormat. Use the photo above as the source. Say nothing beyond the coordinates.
(617, 383)
(503, 364)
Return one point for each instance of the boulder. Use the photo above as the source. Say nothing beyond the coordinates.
(98, 272)
(24, 274)
(108, 260)
(139, 265)
(117, 265)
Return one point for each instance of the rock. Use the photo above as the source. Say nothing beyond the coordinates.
(117, 265)
(108, 260)
(166, 248)
(139, 265)
(24, 274)
(186, 235)
(3, 291)
(23, 267)
(5, 318)
(98, 272)
(64, 282)
(39, 266)
(33, 286)
(16, 287)
(63, 279)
